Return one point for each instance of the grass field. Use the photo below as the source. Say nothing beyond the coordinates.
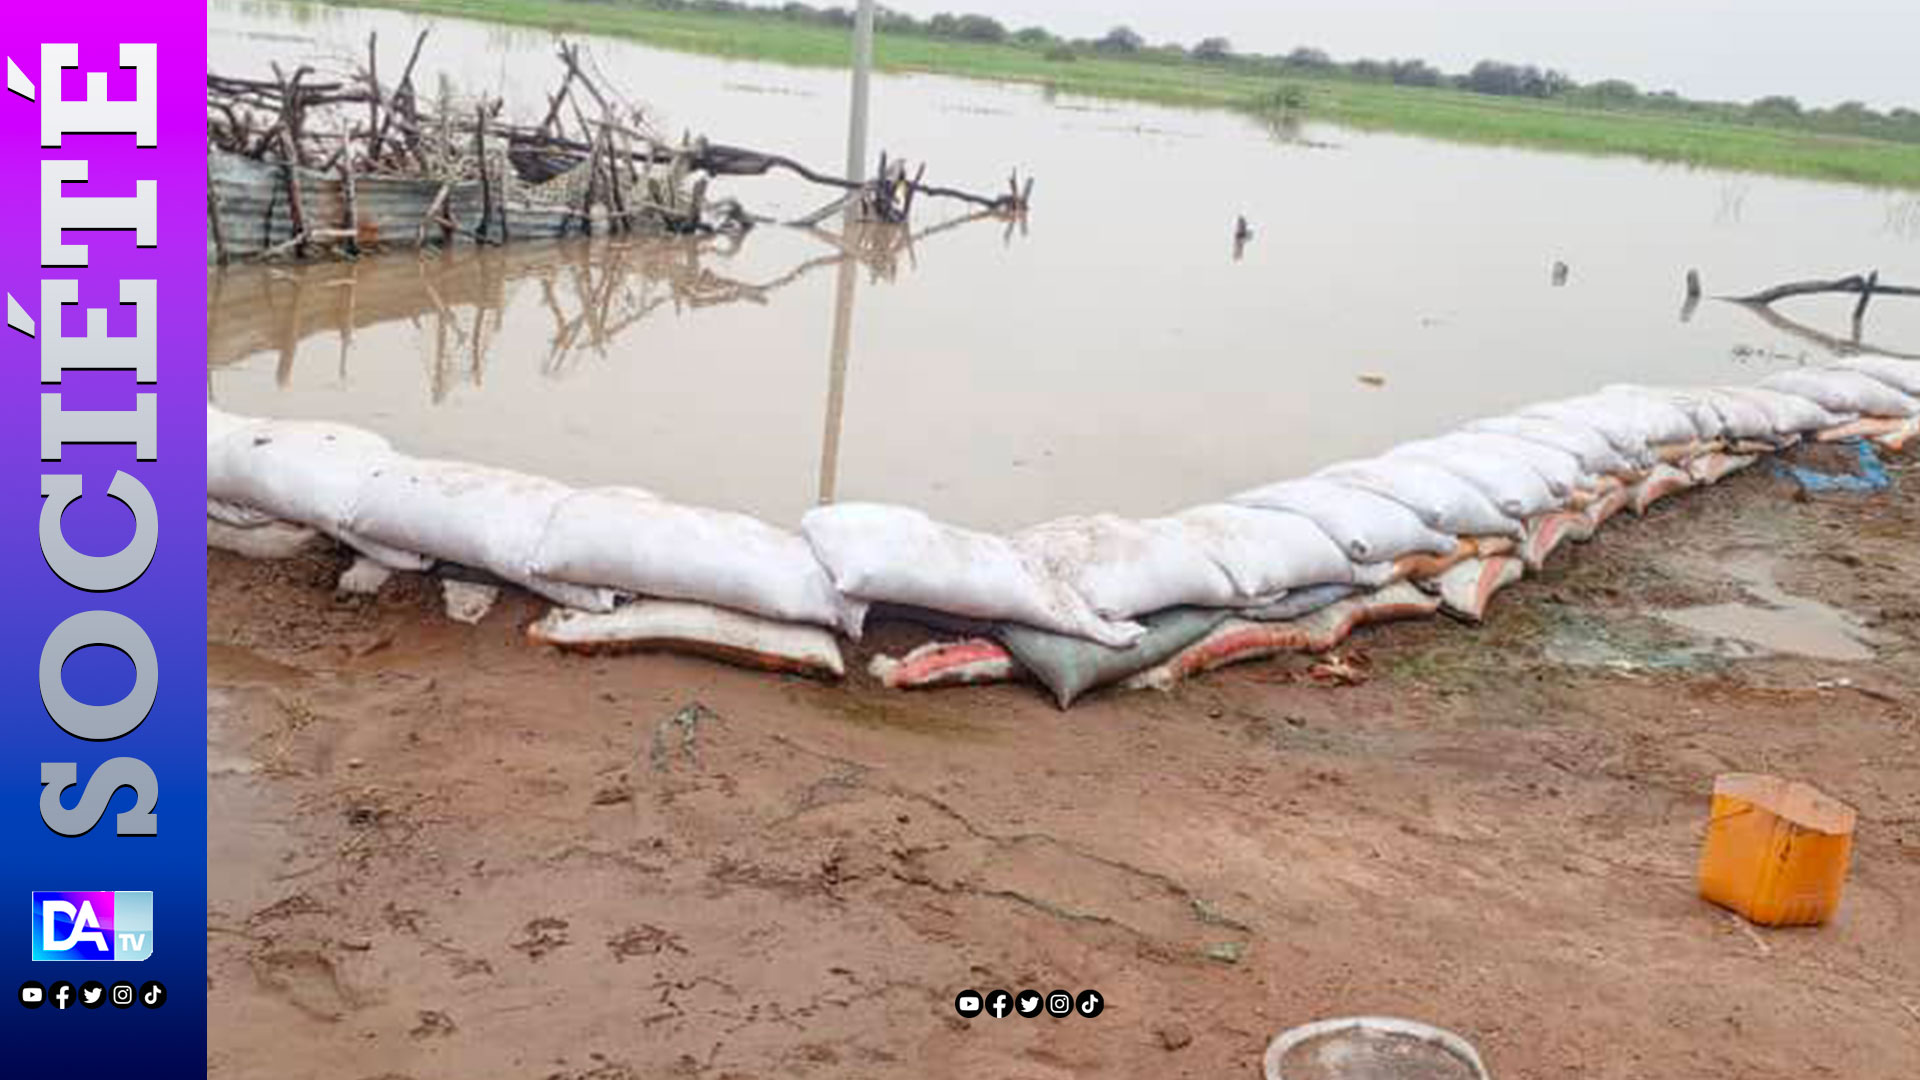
(1447, 114)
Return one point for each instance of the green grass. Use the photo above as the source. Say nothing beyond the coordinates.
(1445, 114)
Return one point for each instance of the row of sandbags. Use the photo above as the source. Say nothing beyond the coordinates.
(1117, 598)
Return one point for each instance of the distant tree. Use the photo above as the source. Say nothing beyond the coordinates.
(1121, 39)
(979, 28)
(1615, 92)
(1213, 49)
(1371, 70)
(1414, 73)
(1310, 59)
(1033, 35)
(1776, 107)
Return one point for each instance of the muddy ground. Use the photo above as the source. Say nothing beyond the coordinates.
(440, 852)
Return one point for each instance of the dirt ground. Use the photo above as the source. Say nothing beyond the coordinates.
(440, 852)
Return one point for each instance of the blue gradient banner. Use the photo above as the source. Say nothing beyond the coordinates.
(102, 486)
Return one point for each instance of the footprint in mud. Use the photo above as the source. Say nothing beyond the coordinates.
(307, 979)
(542, 936)
(644, 940)
(433, 1024)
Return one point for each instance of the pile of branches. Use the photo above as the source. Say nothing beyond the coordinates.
(360, 125)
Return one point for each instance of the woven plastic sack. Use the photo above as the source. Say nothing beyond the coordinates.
(1790, 414)
(1442, 500)
(698, 629)
(1069, 667)
(1513, 486)
(1467, 589)
(1265, 552)
(475, 515)
(1595, 454)
(899, 555)
(949, 663)
(1902, 375)
(306, 471)
(1840, 390)
(1124, 568)
(639, 544)
(1369, 527)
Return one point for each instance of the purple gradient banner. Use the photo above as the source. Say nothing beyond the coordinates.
(117, 898)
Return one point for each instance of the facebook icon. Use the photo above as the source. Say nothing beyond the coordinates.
(998, 1003)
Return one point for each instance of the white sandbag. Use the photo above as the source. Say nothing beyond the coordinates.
(1618, 419)
(1444, 501)
(274, 540)
(467, 602)
(1668, 420)
(1512, 486)
(1371, 528)
(1840, 390)
(733, 637)
(1595, 454)
(1124, 568)
(221, 424)
(308, 471)
(1706, 420)
(1561, 469)
(240, 517)
(1790, 414)
(899, 555)
(632, 541)
(1265, 552)
(1742, 419)
(364, 577)
(475, 515)
(1902, 375)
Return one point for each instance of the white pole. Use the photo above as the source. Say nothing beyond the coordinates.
(857, 110)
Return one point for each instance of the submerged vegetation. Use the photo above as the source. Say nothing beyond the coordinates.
(1494, 102)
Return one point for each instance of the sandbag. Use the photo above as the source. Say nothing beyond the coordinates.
(1668, 419)
(634, 542)
(1595, 454)
(1714, 467)
(306, 471)
(1369, 527)
(1265, 552)
(1866, 427)
(1902, 375)
(1840, 390)
(1618, 419)
(1548, 531)
(1124, 568)
(1069, 667)
(1742, 419)
(1662, 481)
(1898, 440)
(1514, 488)
(1239, 640)
(240, 517)
(733, 637)
(1560, 469)
(1603, 507)
(948, 663)
(1442, 500)
(1302, 602)
(221, 424)
(273, 540)
(1467, 589)
(1790, 414)
(877, 552)
(475, 515)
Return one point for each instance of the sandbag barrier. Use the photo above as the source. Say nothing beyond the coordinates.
(1435, 525)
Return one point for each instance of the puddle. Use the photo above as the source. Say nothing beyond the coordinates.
(1777, 622)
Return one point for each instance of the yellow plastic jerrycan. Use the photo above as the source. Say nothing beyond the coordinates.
(1776, 850)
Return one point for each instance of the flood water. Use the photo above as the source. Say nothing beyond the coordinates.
(1109, 354)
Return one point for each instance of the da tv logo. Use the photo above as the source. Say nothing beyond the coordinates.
(92, 925)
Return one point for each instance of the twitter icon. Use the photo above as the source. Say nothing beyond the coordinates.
(1028, 1003)
(92, 994)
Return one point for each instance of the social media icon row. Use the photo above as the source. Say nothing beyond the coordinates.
(92, 995)
(998, 1003)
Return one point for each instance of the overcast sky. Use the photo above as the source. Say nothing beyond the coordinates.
(1822, 51)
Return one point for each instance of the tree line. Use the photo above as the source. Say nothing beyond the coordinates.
(1491, 77)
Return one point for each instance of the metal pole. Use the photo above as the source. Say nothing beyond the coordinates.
(857, 110)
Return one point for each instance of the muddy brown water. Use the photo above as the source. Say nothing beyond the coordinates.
(1112, 354)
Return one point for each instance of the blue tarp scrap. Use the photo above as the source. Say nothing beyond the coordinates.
(1871, 477)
